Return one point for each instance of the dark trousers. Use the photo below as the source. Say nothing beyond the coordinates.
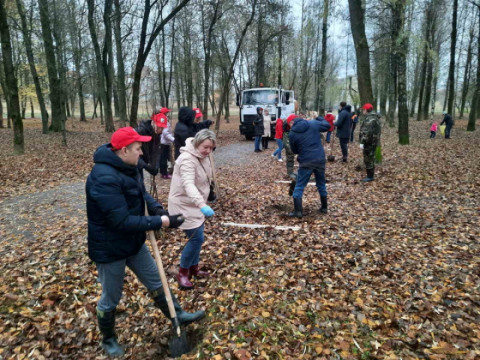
(163, 159)
(433, 134)
(344, 147)
(354, 125)
(265, 142)
(448, 129)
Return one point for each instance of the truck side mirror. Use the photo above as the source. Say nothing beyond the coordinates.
(287, 98)
(238, 99)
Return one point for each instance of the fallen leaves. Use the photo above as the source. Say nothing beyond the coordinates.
(391, 272)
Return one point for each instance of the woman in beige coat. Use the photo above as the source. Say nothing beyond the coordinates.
(189, 191)
(267, 133)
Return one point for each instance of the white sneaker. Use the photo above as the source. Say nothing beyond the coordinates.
(280, 160)
(273, 155)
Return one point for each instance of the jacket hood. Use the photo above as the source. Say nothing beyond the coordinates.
(299, 125)
(105, 155)
(189, 148)
(186, 115)
(348, 108)
(146, 126)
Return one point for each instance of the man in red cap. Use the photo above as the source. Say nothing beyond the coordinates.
(150, 149)
(370, 131)
(116, 200)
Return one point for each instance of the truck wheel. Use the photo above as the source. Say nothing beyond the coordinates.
(248, 137)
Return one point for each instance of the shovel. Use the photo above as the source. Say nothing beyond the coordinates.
(331, 158)
(178, 344)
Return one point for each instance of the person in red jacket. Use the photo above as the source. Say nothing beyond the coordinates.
(279, 138)
(330, 118)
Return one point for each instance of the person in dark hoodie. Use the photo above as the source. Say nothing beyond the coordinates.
(116, 200)
(258, 129)
(187, 127)
(152, 128)
(344, 124)
(306, 143)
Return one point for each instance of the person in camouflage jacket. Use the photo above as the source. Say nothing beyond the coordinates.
(370, 131)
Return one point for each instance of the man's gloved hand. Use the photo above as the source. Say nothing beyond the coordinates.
(207, 211)
(153, 171)
(160, 211)
(175, 220)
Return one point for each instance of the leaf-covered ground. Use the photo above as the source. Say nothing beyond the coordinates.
(393, 270)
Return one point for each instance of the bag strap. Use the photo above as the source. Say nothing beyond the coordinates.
(208, 177)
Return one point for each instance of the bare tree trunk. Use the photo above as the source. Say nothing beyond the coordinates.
(122, 91)
(11, 82)
(58, 111)
(31, 62)
(102, 90)
(1, 113)
(466, 75)
(207, 49)
(107, 63)
(232, 65)
(143, 51)
(451, 70)
(357, 23)
(472, 117)
(413, 99)
(323, 61)
(401, 44)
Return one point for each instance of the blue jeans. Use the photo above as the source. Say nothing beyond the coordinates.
(191, 252)
(258, 140)
(329, 135)
(302, 180)
(279, 150)
(111, 277)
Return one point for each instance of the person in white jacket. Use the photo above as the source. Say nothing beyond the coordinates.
(189, 190)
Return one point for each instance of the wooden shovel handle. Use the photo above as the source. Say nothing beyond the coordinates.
(161, 272)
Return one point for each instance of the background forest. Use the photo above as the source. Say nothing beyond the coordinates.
(79, 59)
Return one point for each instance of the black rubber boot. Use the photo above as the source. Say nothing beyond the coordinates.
(184, 318)
(298, 209)
(106, 323)
(291, 188)
(370, 175)
(324, 208)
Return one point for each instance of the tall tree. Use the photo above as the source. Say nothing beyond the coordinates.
(144, 49)
(357, 23)
(31, 62)
(11, 82)
(401, 48)
(121, 88)
(101, 58)
(323, 62)
(472, 116)
(215, 14)
(226, 83)
(451, 70)
(58, 111)
(77, 50)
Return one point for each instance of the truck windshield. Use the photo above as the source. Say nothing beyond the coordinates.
(260, 97)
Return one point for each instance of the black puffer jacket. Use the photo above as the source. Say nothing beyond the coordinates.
(344, 123)
(186, 127)
(116, 208)
(258, 124)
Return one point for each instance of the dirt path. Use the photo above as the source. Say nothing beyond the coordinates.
(21, 215)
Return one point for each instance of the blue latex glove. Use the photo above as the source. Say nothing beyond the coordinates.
(207, 211)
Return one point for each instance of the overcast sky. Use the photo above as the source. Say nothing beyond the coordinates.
(339, 33)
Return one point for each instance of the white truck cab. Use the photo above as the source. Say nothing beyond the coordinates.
(277, 101)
